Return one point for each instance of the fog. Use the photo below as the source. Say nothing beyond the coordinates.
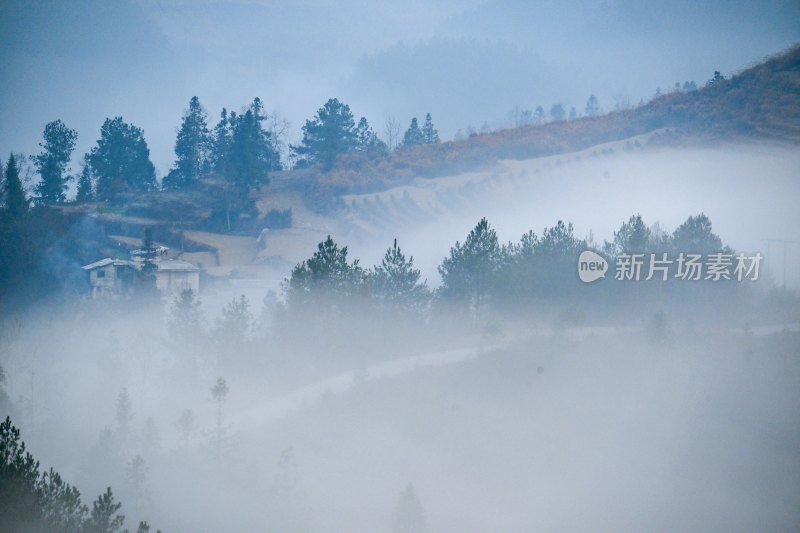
(507, 421)
(527, 401)
(535, 426)
(749, 191)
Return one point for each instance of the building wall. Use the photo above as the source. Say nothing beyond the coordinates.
(175, 281)
(109, 280)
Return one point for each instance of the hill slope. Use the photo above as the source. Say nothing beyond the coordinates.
(760, 102)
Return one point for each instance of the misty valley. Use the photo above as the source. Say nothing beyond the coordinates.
(579, 316)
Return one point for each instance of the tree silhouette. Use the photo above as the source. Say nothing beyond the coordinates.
(51, 163)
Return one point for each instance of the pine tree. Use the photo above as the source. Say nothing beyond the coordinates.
(633, 236)
(429, 134)
(124, 414)
(221, 141)
(220, 394)
(555, 254)
(367, 140)
(696, 235)
(62, 508)
(326, 273)
(330, 133)
(395, 281)
(121, 160)
(186, 322)
(192, 148)
(413, 135)
(104, 517)
(85, 184)
(469, 272)
(46, 503)
(16, 203)
(51, 163)
(592, 107)
(252, 155)
(557, 113)
(409, 517)
(19, 475)
(233, 327)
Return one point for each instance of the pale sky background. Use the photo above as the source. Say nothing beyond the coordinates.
(466, 62)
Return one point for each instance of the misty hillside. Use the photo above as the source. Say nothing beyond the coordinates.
(760, 102)
(450, 266)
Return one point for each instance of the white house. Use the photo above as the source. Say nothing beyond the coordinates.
(174, 276)
(111, 278)
(115, 278)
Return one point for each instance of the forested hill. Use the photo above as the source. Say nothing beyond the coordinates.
(762, 102)
(229, 181)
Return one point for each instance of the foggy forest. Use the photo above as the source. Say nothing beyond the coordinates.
(481, 266)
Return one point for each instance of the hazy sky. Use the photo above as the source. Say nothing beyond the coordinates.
(466, 62)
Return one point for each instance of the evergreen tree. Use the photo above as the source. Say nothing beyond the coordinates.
(221, 141)
(326, 273)
(395, 281)
(104, 517)
(557, 113)
(192, 148)
(22, 238)
(716, 79)
(233, 327)
(252, 154)
(413, 135)
(16, 203)
(409, 517)
(51, 163)
(517, 271)
(696, 236)
(430, 134)
(85, 184)
(61, 504)
(46, 504)
(592, 107)
(330, 133)
(121, 160)
(555, 254)
(186, 321)
(19, 475)
(220, 394)
(124, 414)
(469, 272)
(633, 236)
(367, 140)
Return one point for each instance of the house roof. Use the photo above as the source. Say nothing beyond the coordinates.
(108, 261)
(176, 265)
(172, 265)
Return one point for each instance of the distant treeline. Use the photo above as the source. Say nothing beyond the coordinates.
(244, 148)
(482, 272)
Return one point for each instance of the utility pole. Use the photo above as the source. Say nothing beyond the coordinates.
(785, 244)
